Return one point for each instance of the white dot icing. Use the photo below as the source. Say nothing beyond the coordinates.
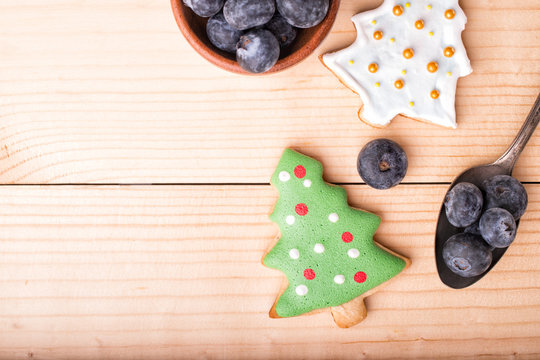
(333, 217)
(307, 183)
(294, 254)
(301, 290)
(383, 103)
(339, 279)
(290, 219)
(284, 176)
(353, 253)
(318, 248)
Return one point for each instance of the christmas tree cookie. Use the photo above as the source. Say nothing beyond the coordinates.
(326, 249)
(407, 58)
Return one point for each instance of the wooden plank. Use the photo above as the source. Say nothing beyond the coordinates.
(167, 271)
(109, 91)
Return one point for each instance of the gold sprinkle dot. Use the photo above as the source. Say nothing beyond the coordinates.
(351, 62)
(408, 5)
(377, 35)
(397, 10)
(431, 33)
(404, 72)
(408, 53)
(429, 7)
(373, 68)
(392, 40)
(374, 22)
(449, 51)
(419, 24)
(449, 14)
(434, 94)
(411, 103)
(399, 84)
(449, 74)
(432, 67)
(377, 84)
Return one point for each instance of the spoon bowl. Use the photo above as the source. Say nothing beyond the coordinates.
(476, 175)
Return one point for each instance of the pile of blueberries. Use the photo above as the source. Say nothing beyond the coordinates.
(487, 219)
(254, 30)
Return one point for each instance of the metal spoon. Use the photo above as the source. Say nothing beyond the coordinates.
(476, 175)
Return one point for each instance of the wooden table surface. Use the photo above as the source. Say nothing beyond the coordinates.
(134, 200)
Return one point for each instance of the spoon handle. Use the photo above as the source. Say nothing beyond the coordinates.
(509, 158)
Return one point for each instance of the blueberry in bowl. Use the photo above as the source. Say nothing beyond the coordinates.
(234, 18)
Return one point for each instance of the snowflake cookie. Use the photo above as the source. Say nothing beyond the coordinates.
(406, 59)
(326, 249)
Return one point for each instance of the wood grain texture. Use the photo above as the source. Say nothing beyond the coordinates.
(174, 272)
(109, 91)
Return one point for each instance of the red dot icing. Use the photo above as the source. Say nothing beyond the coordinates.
(309, 274)
(347, 237)
(360, 277)
(300, 171)
(301, 209)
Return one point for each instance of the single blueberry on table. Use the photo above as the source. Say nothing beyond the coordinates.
(467, 255)
(503, 191)
(221, 34)
(463, 204)
(382, 163)
(498, 227)
(245, 14)
(205, 8)
(284, 32)
(303, 13)
(257, 51)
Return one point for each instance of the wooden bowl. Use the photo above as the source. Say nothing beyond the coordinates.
(194, 29)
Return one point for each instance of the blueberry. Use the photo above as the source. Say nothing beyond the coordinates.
(466, 255)
(473, 229)
(245, 14)
(221, 34)
(503, 191)
(382, 164)
(303, 13)
(284, 32)
(257, 51)
(463, 204)
(498, 227)
(205, 8)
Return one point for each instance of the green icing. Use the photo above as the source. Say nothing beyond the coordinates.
(323, 199)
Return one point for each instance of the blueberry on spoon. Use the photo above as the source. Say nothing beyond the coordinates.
(498, 227)
(504, 191)
(466, 255)
(463, 204)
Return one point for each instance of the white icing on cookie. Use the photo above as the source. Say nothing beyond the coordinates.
(318, 248)
(333, 217)
(339, 279)
(284, 176)
(301, 290)
(388, 82)
(294, 254)
(353, 253)
(307, 183)
(290, 219)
